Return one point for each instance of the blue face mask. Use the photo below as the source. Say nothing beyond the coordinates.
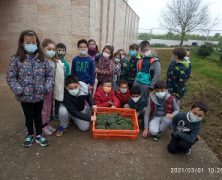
(50, 54)
(132, 53)
(30, 48)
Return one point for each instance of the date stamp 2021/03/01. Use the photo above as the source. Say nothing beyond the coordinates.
(191, 170)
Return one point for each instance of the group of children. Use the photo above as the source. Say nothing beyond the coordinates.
(40, 77)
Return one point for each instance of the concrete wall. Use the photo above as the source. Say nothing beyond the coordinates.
(67, 21)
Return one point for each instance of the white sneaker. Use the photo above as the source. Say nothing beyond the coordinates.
(46, 131)
(52, 129)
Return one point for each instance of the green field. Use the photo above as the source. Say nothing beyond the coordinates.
(204, 85)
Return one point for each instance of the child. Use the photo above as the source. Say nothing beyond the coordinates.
(105, 65)
(83, 66)
(105, 97)
(49, 51)
(186, 127)
(137, 102)
(148, 69)
(61, 52)
(123, 93)
(117, 69)
(74, 107)
(124, 61)
(30, 78)
(161, 108)
(132, 66)
(177, 74)
(92, 49)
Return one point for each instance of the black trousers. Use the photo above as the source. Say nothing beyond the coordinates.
(178, 145)
(33, 112)
(56, 110)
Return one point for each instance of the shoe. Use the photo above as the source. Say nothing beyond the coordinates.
(41, 140)
(60, 131)
(29, 139)
(47, 131)
(52, 129)
(157, 137)
(188, 152)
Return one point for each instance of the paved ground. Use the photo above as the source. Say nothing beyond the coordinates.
(77, 156)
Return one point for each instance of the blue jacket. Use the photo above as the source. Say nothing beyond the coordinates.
(185, 129)
(84, 69)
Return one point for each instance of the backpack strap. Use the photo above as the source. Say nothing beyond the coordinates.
(139, 63)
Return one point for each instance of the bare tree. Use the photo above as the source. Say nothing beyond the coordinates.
(185, 16)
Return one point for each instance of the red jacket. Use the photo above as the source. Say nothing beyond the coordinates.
(123, 98)
(102, 100)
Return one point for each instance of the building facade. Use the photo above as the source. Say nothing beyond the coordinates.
(107, 21)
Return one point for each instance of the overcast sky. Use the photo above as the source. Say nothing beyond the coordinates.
(149, 12)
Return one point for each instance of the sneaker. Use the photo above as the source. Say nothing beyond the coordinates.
(157, 137)
(52, 129)
(41, 140)
(188, 152)
(46, 131)
(29, 139)
(60, 131)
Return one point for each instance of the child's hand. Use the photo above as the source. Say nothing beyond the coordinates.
(98, 71)
(113, 106)
(170, 116)
(94, 108)
(146, 132)
(110, 103)
(93, 118)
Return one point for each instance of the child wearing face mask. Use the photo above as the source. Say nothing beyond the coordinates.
(61, 52)
(123, 93)
(178, 73)
(124, 61)
(134, 56)
(92, 49)
(74, 107)
(83, 66)
(148, 69)
(186, 127)
(105, 96)
(117, 70)
(137, 102)
(58, 89)
(105, 65)
(160, 111)
(30, 78)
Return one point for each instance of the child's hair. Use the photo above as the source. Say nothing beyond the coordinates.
(203, 107)
(121, 50)
(144, 44)
(134, 46)
(61, 45)
(180, 53)
(110, 48)
(160, 85)
(46, 42)
(135, 90)
(21, 52)
(123, 82)
(91, 40)
(71, 79)
(82, 41)
(116, 54)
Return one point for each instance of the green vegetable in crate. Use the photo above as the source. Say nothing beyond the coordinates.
(113, 121)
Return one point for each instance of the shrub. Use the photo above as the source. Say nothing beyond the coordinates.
(205, 50)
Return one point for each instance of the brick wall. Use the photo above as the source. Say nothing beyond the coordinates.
(67, 21)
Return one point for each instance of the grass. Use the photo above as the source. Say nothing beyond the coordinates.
(204, 85)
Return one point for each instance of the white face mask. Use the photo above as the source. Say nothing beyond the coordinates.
(117, 60)
(187, 58)
(148, 54)
(50, 54)
(106, 55)
(73, 92)
(135, 99)
(83, 53)
(123, 90)
(193, 118)
(160, 95)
